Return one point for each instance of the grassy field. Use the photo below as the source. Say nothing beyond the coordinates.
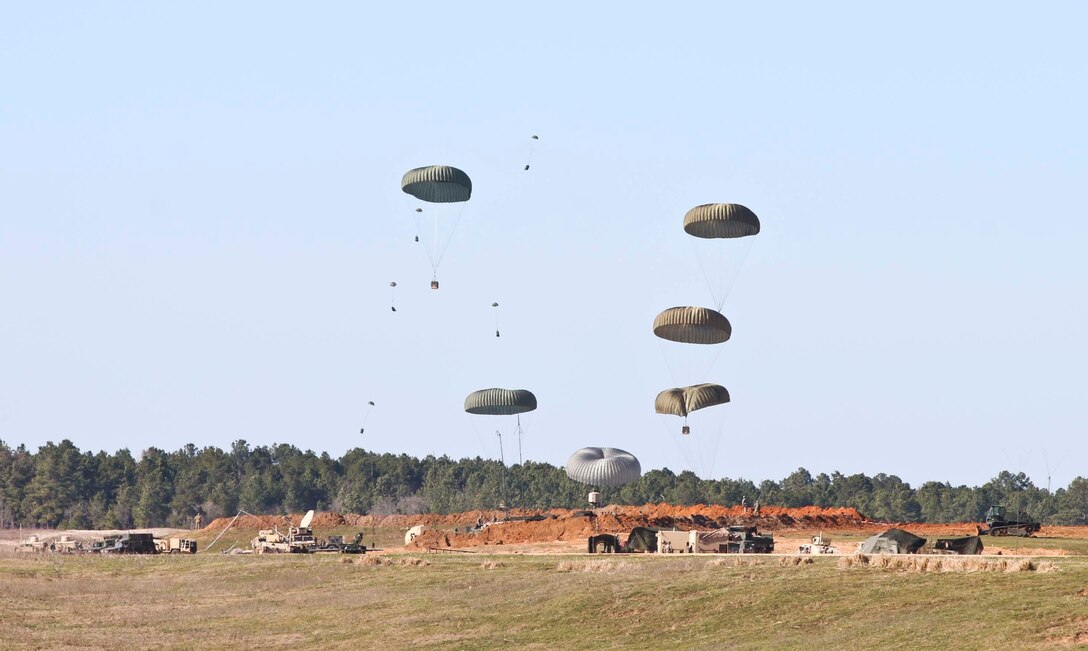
(542, 602)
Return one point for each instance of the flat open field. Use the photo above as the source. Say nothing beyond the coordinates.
(478, 601)
(527, 585)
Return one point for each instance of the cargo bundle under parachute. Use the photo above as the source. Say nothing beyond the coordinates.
(436, 185)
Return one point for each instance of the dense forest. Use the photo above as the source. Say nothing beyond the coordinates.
(59, 486)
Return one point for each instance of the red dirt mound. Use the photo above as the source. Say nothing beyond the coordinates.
(571, 525)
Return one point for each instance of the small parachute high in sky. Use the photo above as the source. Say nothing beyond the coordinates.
(437, 184)
(370, 406)
(495, 306)
(532, 145)
(393, 296)
(604, 467)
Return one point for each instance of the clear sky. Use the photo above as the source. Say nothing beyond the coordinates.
(200, 215)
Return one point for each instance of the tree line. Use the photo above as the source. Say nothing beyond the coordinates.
(60, 487)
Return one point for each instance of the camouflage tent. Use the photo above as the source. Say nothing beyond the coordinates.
(642, 539)
(968, 545)
(893, 541)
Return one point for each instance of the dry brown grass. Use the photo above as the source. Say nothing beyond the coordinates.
(786, 561)
(596, 567)
(375, 560)
(294, 601)
(735, 561)
(923, 564)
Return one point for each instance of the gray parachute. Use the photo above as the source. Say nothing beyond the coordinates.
(693, 325)
(500, 402)
(684, 400)
(721, 220)
(603, 467)
(437, 184)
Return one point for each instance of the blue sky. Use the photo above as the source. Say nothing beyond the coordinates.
(200, 214)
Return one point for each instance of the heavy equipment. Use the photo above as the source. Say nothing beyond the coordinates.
(297, 540)
(998, 524)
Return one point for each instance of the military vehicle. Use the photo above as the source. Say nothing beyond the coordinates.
(297, 540)
(336, 545)
(746, 540)
(998, 524)
(819, 545)
(126, 543)
(32, 545)
(175, 545)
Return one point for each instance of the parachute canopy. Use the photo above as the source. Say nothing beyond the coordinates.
(500, 402)
(603, 467)
(693, 325)
(684, 400)
(437, 184)
(721, 220)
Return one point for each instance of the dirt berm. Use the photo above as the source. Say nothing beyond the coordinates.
(566, 524)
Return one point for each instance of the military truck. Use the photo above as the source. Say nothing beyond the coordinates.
(175, 545)
(746, 540)
(998, 524)
(336, 545)
(127, 543)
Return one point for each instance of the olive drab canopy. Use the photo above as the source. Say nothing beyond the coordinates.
(500, 402)
(437, 184)
(693, 325)
(892, 541)
(603, 467)
(684, 400)
(721, 220)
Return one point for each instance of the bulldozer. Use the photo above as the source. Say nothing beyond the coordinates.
(998, 524)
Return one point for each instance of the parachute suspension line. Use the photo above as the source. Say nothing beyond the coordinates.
(683, 446)
(441, 253)
(728, 288)
(532, 145)
(434, 259)
(502, 462)
(419, 224)
(709, 276)
(698, 375)
(719, 292)
(520, 459)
